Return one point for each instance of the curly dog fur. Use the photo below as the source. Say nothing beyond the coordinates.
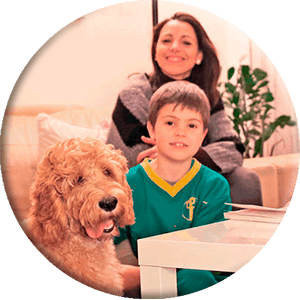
(79, 196)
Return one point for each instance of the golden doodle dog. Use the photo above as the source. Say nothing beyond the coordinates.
(80, 196)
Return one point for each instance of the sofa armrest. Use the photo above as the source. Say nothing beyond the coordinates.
(287, 172)
(267, 174)
(278, 176)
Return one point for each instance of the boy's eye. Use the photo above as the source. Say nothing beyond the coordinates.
(169, 123)
(193, 126)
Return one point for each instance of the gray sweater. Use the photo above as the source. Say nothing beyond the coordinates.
(221, 149)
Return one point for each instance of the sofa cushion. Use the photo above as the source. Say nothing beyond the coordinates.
(19, 148)
(51, 130)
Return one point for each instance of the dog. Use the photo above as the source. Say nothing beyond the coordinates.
(79, 198)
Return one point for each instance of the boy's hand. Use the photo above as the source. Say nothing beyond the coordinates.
(131, 276)
(150, 153)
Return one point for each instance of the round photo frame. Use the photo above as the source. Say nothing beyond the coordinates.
(282, 237)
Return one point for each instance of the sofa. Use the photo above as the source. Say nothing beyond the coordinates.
(28, 131)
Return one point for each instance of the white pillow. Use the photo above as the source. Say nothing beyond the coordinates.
(51, 130)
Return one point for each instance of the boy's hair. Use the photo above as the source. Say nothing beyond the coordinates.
(180, 92)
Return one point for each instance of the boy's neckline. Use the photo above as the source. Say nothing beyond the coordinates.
(169, 171)
(171, 189)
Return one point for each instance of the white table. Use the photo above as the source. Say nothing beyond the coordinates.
(225, 246)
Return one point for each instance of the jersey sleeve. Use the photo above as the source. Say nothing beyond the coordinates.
(123, 235)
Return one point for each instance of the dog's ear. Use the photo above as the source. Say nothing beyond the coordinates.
(47, 217)
(129, 218)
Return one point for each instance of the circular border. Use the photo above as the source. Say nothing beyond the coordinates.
(270, 273)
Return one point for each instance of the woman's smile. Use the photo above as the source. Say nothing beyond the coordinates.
(174, 58)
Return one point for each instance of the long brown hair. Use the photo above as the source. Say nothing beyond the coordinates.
(205, 75)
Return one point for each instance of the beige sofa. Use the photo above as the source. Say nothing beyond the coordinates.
(278, 176)
(26, 133)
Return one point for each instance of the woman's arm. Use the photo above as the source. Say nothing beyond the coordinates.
(130, 117)
(222, 150)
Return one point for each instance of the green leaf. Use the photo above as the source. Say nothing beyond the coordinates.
(249, 82)
(268, 97)
(255, 94)
(267, 107)
(291, 123)
(264, 83)
(260, 74)
(236, 126)
(248, 87)
(230, 88)
(258, 147)
(249, 116)
(236, 98)
(245, 71)
(230, 73)
(281, 122)
(254, 132)
(255, 103)
(236, 113)
(284, 120)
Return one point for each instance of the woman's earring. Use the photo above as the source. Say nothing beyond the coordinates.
(198, 62)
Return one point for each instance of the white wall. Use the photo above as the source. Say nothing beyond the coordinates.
(286, 139)
(88, 61)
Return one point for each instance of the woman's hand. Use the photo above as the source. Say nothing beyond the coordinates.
(150, 153)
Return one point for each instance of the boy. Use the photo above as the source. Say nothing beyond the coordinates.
(174, 191)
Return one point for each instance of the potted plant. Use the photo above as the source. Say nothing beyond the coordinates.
(250, 102)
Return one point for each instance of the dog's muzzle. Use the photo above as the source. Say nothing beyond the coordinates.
(106, 227)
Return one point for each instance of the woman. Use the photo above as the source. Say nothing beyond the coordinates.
(181, 49)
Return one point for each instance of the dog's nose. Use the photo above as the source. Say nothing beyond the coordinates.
(108, 203)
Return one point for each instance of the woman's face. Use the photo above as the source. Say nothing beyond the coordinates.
(177, 49)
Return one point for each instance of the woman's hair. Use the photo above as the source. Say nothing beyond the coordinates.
(205, 75)
(180, 92)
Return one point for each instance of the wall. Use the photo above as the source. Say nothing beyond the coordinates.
(88, 61)
(286, 139)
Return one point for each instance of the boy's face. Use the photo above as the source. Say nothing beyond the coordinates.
(178, 132)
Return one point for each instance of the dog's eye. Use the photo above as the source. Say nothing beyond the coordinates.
(106, 172)
(80, 179)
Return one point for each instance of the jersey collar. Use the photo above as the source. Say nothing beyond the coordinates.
(171, 190)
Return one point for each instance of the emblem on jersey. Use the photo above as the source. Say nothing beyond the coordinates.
(188, 208)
